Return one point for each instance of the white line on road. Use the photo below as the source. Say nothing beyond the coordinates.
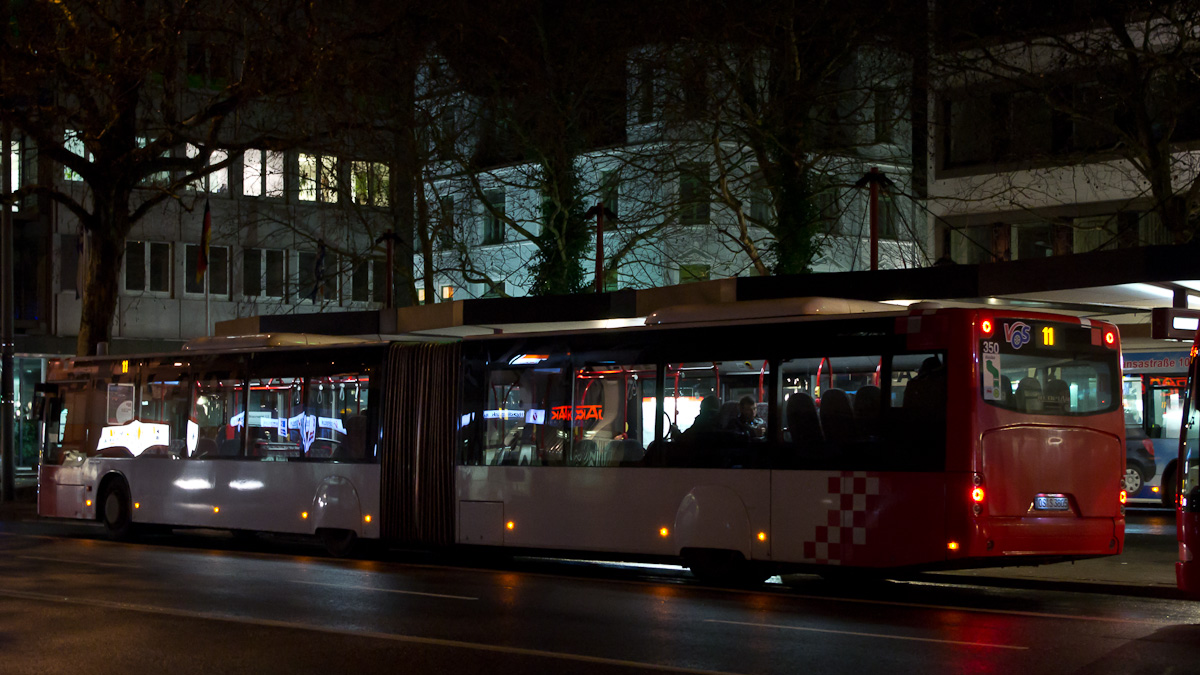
(872, 635)
(385, 590)
(394, 637)
(88, 563)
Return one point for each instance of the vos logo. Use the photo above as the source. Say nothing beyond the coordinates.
(1017, 334)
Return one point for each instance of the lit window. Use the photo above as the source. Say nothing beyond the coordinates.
(73, 143)
(215, 182)
(318, 178)
(370, 183)
(262, 173)
(447, 292)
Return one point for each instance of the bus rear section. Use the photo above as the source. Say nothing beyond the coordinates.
(1046, 478)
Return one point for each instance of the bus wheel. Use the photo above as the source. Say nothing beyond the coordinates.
(724, 568)
(1133, 480)
(1167, 491)
(114, 510)
(339, 543)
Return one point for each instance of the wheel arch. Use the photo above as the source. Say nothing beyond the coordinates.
(713, 517)
(336, 506)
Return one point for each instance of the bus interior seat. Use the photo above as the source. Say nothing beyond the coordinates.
(1058, 397)
(837, 417)
(802, 420)
(626, 452)
(866, 410)
(1029, 395)
(205, 447)
(586, 453)
(729, 412)
(355, 444)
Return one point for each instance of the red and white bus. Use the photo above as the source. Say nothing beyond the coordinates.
(1187, 514)
(886, 441)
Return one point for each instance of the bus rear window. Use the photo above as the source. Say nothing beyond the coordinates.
(1049, 384)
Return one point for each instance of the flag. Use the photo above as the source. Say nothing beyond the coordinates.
(205, 238)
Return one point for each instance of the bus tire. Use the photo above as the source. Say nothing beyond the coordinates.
(1167, 491)
(338, 543)
(720, 567)
(115, 511)
(1134, 478)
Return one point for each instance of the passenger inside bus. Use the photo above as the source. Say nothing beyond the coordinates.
(747, 421)
(708, 419)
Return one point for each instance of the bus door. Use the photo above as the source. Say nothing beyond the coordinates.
(1187, 570)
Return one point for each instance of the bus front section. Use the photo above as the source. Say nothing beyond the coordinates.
(1187, 570)
(1045, 476)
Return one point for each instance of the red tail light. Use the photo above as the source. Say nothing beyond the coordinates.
(977, 495)
(986, 326)
(1110, 338)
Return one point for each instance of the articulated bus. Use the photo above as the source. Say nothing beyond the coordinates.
(882, 442)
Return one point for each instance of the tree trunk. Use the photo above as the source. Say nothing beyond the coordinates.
(101, 281)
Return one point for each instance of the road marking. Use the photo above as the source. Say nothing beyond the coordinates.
(88, 563)
(384, 590)
(394, 637)
(872, 635)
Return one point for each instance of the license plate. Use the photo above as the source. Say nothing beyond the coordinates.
(1050, 503)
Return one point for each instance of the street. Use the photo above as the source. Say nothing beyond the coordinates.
(71, 601)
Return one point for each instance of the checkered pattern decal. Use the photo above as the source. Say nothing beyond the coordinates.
(853, 495)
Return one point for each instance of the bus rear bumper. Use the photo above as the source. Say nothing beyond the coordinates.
(1050, 536)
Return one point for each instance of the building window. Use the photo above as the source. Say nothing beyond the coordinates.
(148, 266)
(760, 199)
(444, 233)
(263, 273)
(447, 292)
(156, 178)
(692, 273)
(70, 252)
(421, 296)
(262, 173)
(610, 191)
(317, 274)
(216, 278)
(885, 114)
(493, 217)
(208, 65)
(318, 178)
(73, 143)
(645, 94)
(693, 194)
(370, 182)
(889, 217)
(216, 181)
(368, 281)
